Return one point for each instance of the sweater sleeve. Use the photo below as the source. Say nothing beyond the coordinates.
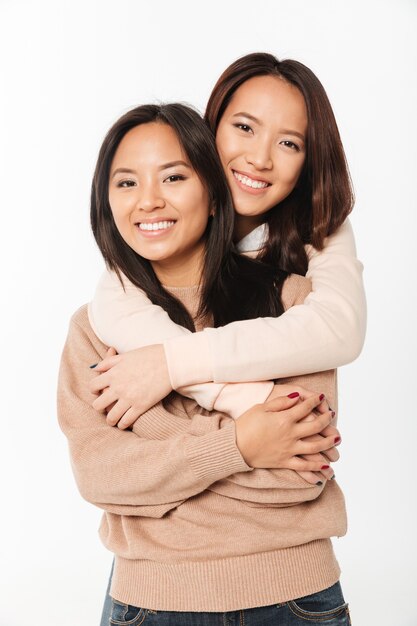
(324, 332)
(125, 318)
(121, 471)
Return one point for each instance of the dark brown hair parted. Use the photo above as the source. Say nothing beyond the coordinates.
(323, 196)
(233, 287)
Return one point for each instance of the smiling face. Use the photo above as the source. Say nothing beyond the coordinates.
(159, 204)
(261, 139)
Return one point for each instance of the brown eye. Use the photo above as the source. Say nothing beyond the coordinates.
(174, 178)
(126, 183)
(290, 144)
(244, 127)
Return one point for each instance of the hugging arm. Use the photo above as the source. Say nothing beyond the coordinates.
(124, 318)
(122, 472)
(323, 333)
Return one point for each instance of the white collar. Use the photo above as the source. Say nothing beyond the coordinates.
(255, 240)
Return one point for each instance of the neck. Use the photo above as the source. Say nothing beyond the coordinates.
(245, 224)
(180, 272)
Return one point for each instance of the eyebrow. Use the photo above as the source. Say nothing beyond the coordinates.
(286, 131)
(249, 116)
(165, 166)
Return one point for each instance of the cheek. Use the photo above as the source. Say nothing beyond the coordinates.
(290, 171)
(226, 146)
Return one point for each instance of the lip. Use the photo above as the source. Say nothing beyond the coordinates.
(252, 191)
(149, 234)
(257, 179)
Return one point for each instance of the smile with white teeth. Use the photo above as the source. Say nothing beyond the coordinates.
(245, 180)
(155, 225)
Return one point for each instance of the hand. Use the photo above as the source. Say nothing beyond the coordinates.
(281, 389)
(271, 435)
(284, 389)
(130, 384)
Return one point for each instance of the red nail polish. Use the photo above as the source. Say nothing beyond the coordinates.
(294, 394)
(337, 439)
(325, 467)
(322, 397)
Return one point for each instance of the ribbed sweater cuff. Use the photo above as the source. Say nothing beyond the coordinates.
(182, 365)
(215, 456)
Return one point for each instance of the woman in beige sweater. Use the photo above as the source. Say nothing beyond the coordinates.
(197, 523)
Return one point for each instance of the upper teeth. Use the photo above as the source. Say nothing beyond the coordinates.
(255, 184)
(155, 225)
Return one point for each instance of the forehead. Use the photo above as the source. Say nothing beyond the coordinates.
(152, 142)
(270, 98)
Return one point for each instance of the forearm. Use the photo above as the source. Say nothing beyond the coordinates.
(324, 332)
(126, 319)
(119, 468)
(272, 487)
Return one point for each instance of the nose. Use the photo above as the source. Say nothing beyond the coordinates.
(150, 198)
(260, 156)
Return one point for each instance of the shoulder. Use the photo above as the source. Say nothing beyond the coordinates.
(81, 333)
(295, 290)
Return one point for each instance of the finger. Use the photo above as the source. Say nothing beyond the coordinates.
(117, 411)
(129, 418)
(327, 474)
(306, 429)
(314, 447)
(332, 454)
(111, 352)
(104, 400)
(330, 430)
(281, 403)
(300, 464)
(314, 478)
(300, 410)
(98, 383)
(107, 363)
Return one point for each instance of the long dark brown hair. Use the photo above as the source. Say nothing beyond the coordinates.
(323, 196)
(233, 287)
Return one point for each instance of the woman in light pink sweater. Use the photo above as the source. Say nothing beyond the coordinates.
(283, 158)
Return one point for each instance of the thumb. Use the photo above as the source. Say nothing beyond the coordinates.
(111, 352)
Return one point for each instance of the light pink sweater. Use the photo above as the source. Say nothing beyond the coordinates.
(324, 332)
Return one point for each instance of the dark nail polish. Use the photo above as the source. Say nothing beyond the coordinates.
(333, 413)
(333, 477)
(337, 439)
(322, 397)
(325, 467)
(294, 394)
(319, 483)
(93, 366)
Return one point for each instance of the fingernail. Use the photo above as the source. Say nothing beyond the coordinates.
(337, 439)
(333, 413)
(93, 366)
(319, 482)
(321, 397)
(294, 394)
(333, 477)
(325, 467)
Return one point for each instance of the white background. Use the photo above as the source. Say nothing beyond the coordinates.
(68, 70)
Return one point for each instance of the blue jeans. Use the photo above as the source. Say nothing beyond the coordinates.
(326, 607)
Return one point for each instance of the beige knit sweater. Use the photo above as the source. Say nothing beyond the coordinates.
(193, 527)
